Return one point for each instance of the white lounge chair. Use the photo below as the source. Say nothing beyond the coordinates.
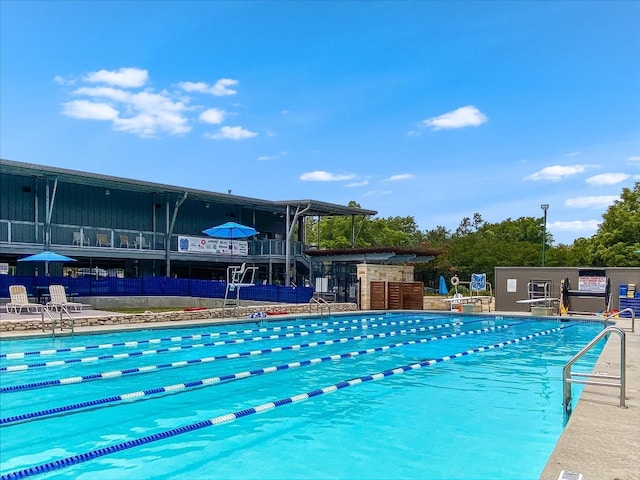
(19, 300)
(59, 300)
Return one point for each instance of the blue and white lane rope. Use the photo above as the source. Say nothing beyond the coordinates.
(265, 407)
(120, 356)
(134, 396)
(184, 363)
(199, 336)
(137, 343)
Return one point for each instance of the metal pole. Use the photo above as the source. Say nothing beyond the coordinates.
(544, 207)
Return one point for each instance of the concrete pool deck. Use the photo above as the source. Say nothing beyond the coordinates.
(601, 440)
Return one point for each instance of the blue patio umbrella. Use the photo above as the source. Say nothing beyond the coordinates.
(442, 290)
(231, 230)
(47, 256)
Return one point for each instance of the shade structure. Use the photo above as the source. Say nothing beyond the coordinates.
(442, 290)
(231, 230)
(47, 256)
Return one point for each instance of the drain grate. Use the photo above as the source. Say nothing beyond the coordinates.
(565, 475)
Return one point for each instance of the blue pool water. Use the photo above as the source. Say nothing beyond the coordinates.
(459, 397)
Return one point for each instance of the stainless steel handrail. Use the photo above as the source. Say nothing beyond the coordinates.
(64, 309)
(320, 302)
(567, 374)
(633, 317)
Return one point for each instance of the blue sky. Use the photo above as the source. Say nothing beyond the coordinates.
(428, 109)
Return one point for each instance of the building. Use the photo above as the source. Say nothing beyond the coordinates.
(132, 228)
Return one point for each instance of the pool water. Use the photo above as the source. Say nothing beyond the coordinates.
(482, 399)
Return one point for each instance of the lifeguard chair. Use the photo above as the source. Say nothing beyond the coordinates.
(238, 276)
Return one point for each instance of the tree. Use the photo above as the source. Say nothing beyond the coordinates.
(618, 237)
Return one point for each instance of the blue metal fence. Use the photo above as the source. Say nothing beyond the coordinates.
(154, 286)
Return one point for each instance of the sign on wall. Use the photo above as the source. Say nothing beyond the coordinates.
(592, 281)
(215, 246)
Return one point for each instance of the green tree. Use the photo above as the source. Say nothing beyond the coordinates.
(618, 237)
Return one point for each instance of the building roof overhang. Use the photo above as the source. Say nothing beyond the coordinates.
(374, 255)
(316, 208)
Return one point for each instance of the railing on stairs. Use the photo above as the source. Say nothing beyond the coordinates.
(320, 303)
(618, 381)
(62, 310)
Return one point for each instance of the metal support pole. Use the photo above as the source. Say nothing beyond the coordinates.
(544, 207)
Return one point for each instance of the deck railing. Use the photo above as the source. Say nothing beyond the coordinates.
(92, 237)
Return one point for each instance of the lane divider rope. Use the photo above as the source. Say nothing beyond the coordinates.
(230, 417)
(136, 343)
(134, 396)
(120, 356)
(184, 363)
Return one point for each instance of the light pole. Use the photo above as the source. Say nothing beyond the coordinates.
(544, 207)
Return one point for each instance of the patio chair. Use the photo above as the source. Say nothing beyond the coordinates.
(102, 240)
(144, 245)
(79, 239)
(19, 300)
(59, 300)
(124, 241)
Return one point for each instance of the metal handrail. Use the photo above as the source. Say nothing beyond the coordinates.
(633, 317)
(320, 302)
(64, 309)
(567, 374)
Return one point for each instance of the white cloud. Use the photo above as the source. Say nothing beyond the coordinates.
(402, 176)
(219, 89)
(377, 193)
(573, 154)
(468, 116)
(147, 113)
(63, 81)
(322, 176)
(124, 77)
(575, 225)
(277, 156)
(634, 159)
(89, 110)
(363, 183)
(232, 133)
(116, 94)
(597, 202)
(213, 116)
(607, 179)
(143, 113)
(556, 172)
(413, 133)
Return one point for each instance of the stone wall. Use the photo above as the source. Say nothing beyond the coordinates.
(368, 273)
(231, 315)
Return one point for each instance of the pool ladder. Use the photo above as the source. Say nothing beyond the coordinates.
(320, 304)
(63, 309)
(618, 381)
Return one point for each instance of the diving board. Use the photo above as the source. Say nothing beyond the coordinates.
(533, 301)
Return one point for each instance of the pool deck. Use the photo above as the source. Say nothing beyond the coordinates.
(601, 440)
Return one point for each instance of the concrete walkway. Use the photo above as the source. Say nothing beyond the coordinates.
(602, 440)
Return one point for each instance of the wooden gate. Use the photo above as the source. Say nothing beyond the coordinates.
(412, 295)
(377, 296)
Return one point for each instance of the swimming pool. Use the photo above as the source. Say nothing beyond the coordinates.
(395, 395)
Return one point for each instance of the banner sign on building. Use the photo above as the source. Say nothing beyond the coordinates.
(216, 246)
